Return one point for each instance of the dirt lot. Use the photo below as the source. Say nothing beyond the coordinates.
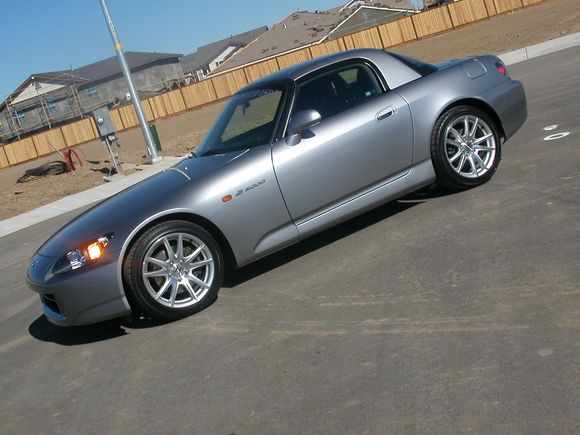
(183, 133)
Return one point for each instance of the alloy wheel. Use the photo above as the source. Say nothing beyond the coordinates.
(178, 270)
(470, 146)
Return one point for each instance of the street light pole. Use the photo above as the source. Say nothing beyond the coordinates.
(155, 157)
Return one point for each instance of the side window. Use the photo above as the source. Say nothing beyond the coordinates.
(337, 90)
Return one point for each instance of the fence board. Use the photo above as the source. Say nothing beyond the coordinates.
(157, 105)
(79, 132)
(146, 105)
(44, 140)
(3, 159)
(293, 58)
(327, 47)
(490, 6)
(254, 72)
(116, 118)
(431, 22)
(369, 38)
(229, 83)
(174, 102)
(467, 11)
(198, 94)
(21, 151)
(530, 2)
(397, 32)
(128, 116)
(507, 5)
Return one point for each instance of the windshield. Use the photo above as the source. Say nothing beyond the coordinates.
(247, 121)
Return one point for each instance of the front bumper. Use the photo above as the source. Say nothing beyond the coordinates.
(87, 295)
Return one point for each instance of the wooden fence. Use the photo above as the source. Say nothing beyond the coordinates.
(221, 86)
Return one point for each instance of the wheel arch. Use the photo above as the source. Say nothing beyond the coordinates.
(185, 215)
(481, 105)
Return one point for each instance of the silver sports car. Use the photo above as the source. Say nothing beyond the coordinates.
(292, 154)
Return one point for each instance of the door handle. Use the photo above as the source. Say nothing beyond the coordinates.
(386, 112)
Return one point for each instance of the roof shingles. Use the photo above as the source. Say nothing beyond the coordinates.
(302, 28)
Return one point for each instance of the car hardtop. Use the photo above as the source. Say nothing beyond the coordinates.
(295, 72)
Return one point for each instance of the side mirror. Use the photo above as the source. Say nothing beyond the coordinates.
(302, 120)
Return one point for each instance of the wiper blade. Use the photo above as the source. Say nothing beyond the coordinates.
(214, 152)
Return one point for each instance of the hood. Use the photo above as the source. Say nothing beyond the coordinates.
(121, 213)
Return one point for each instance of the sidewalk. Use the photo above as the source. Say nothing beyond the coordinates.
(101, 192)
(72, 202)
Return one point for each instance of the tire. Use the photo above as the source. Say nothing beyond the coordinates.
(169, 283)
(461, 160)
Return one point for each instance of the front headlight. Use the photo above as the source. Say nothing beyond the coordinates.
(89, 252)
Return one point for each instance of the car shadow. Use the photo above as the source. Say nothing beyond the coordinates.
(43, 330)
(236, 277)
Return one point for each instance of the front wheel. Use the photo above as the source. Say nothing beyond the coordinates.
(465, 148)
(173, 270)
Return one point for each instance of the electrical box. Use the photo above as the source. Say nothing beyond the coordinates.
(104, 122)
(109, 139)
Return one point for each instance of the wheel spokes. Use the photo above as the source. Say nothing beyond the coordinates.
(199, 264)
(481, 139)
(197, 281)
(480, 161)
(462, 146)
(184, 277)
(190, 290)
(466, 127)
(168, 248)
(179, 252)
(163, 288)
(194, 254)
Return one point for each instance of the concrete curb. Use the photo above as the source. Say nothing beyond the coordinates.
(81, 199)
(73, 202)
(537, 50)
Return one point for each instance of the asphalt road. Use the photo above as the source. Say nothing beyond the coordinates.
(433, 314)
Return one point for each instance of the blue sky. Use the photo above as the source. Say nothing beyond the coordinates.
(41, 35)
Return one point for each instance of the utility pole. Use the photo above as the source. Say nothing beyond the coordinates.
(155, 157)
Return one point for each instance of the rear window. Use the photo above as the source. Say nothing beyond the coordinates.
(418, 66)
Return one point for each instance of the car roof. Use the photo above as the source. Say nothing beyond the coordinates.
(295, 72)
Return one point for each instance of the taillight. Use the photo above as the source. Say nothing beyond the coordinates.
(502, 69)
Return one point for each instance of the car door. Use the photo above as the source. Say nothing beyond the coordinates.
(364, 140)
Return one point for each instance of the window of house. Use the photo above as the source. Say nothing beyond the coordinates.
(337, 90)
(51, 106)
(92, 91)
(21, 117)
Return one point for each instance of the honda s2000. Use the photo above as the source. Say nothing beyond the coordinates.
(292, 154)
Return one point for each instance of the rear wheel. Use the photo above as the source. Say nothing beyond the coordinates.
(173, 270)
(465, 148)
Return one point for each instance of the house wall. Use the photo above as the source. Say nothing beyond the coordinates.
(150, 79)
(221, 57)
(147, 80)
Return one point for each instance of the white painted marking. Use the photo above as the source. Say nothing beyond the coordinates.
(551, 127)
(557, 136)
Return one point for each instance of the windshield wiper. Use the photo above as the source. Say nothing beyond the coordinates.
(215, 152)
